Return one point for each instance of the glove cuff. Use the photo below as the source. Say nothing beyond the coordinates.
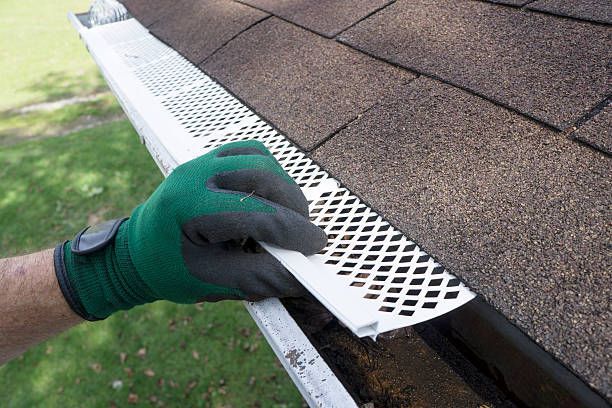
(100, 282)
(71, 296)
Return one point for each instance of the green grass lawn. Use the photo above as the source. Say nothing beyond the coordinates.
(41, 56)
(160, 354)
(17, 127)
(42, 60)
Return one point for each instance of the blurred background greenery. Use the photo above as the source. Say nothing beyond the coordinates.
(69, 158)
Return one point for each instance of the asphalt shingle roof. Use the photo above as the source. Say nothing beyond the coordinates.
(549, 68)
(598, 131)
(149, 12)
(510, 2)
(594, 10)
(212, 23)
(442, 115)
(307, 85)
(326, 17)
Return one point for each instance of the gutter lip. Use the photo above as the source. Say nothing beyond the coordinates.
(525, 370)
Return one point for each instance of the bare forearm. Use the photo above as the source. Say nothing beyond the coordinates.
(32, 307)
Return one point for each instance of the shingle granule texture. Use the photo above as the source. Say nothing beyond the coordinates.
(519, 211)
(197, 28)
(594, 10)
(326, 17)
(550, 68)
(510, 2)
(598, 131)
(308, 86)
(147, 12)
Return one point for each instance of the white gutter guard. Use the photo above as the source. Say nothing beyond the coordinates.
(372, 277)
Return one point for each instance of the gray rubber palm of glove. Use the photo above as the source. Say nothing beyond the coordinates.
(215, 246)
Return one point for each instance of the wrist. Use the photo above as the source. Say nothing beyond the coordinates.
(101, 282)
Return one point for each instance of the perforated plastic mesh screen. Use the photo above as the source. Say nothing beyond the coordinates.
(373, 259)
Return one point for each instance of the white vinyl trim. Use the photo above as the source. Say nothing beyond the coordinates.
(317, 383)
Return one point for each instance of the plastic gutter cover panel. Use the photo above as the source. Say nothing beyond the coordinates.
(371, 276)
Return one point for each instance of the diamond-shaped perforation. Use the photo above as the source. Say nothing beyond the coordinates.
(142, 51)
(130, 30)
(205, 109)
(162, 82)
(371, 254)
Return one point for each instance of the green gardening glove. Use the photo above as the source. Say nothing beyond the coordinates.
(186, 243)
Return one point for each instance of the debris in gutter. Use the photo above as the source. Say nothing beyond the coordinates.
(412, 366)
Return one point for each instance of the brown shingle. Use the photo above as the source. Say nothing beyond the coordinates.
(549, 68)
(594, 10)
(306, 85)
(326, 17)
(510, 2)
(598, 131)
(520, 212)
(196, 28)
(148, 12)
